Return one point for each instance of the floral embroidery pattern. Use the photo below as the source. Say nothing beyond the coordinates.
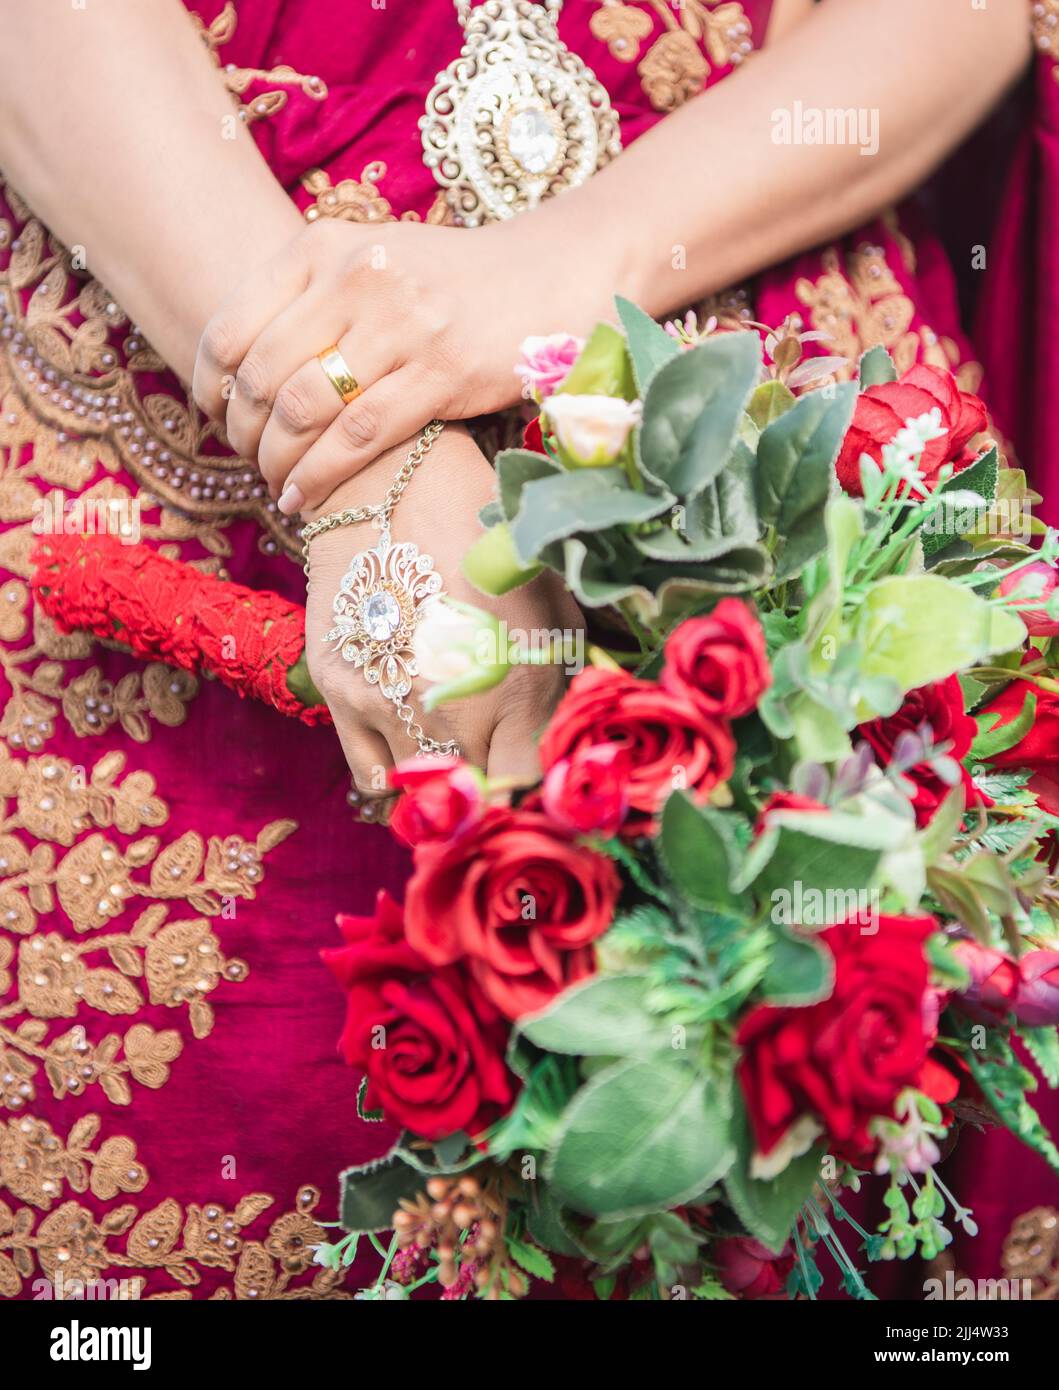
(174, 963)
(36, 1167)
(862, 304)
(238, 80)
(674, 67)
(359, 200)
(1045, 22)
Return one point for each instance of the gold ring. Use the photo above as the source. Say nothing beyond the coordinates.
(336, 369)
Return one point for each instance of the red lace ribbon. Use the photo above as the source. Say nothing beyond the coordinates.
(170, 611)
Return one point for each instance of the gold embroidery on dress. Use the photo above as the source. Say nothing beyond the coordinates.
(1031, 1251)
(71, 1244)
(359, 200)
(68, 388)
(1045, 20)
(237, 79)
(674, 67)
(862, 304)
(174, 963)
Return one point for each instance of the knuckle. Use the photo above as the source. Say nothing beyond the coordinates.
(251, 383)
(293, 409)
(218, 344)
(359, 425)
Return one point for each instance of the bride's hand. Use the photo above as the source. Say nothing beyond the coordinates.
(439, 512)
(428, 319)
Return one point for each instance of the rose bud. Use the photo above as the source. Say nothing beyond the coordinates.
(493, 565)
(545, 363)
(751, 1270)
(460, 649)
(1034, 581)
(442, 797)
(588, 792)
(784, 801)
(994, 980)
(1037, 994)
(591, 430)
(719, 661)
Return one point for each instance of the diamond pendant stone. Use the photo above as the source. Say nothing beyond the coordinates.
(532, 141)
(381, 616)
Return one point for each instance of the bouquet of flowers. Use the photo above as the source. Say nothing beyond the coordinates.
(780, 916)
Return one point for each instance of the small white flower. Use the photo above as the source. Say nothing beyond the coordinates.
(592, 430)
(457, 647)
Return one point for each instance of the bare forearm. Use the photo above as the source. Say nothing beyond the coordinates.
(712, 194)
(116, 127)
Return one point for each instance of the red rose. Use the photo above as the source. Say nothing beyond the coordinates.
(719, 662)
(441, 798)
(882, 410)
(587, 792)
(994, 980)
(520, 899)
(1038, 750)
(845, 1060)
(784, 801)
(432, 1047)
(751, 1270)
(941, 707)
(670, 742)
(533, 438)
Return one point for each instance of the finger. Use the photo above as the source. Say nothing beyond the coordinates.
(513, 752)
(389, 412)
(308, 402)
(368, 754)
(266, 292)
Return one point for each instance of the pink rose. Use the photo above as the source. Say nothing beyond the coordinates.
(546, 362)
(442, 797)
(1036, 580)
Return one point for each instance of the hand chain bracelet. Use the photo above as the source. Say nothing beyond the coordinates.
(382, 597)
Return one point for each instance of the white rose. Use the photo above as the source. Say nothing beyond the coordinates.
(592, 430)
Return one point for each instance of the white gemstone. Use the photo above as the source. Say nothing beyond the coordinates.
(532, 140)
(381, 615)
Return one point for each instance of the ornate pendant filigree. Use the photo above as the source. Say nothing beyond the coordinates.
(517, 117)
(377, 607)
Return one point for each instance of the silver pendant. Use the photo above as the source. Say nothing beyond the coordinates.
(377, 609)
(516, 118)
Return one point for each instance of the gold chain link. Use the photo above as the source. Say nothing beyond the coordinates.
(350, 516)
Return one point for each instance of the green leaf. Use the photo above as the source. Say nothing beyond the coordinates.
(771, 400)
(603, 367)
(699, 851)
(1043, 1046)
(514, 469)
(769, 1209)
(544, 1222)
(693, 408)
(801, 971)
(1005, 1083)
(876, 368)
(604, 1017)
(372, 1191)
(796, 472)
(640, 1137)
(722, 518)
(588, 499)
(949, 523)
(990, 743)
(814, 867)
(374, 1116)
(922, 628)
(533, 1260)
(650, 346)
